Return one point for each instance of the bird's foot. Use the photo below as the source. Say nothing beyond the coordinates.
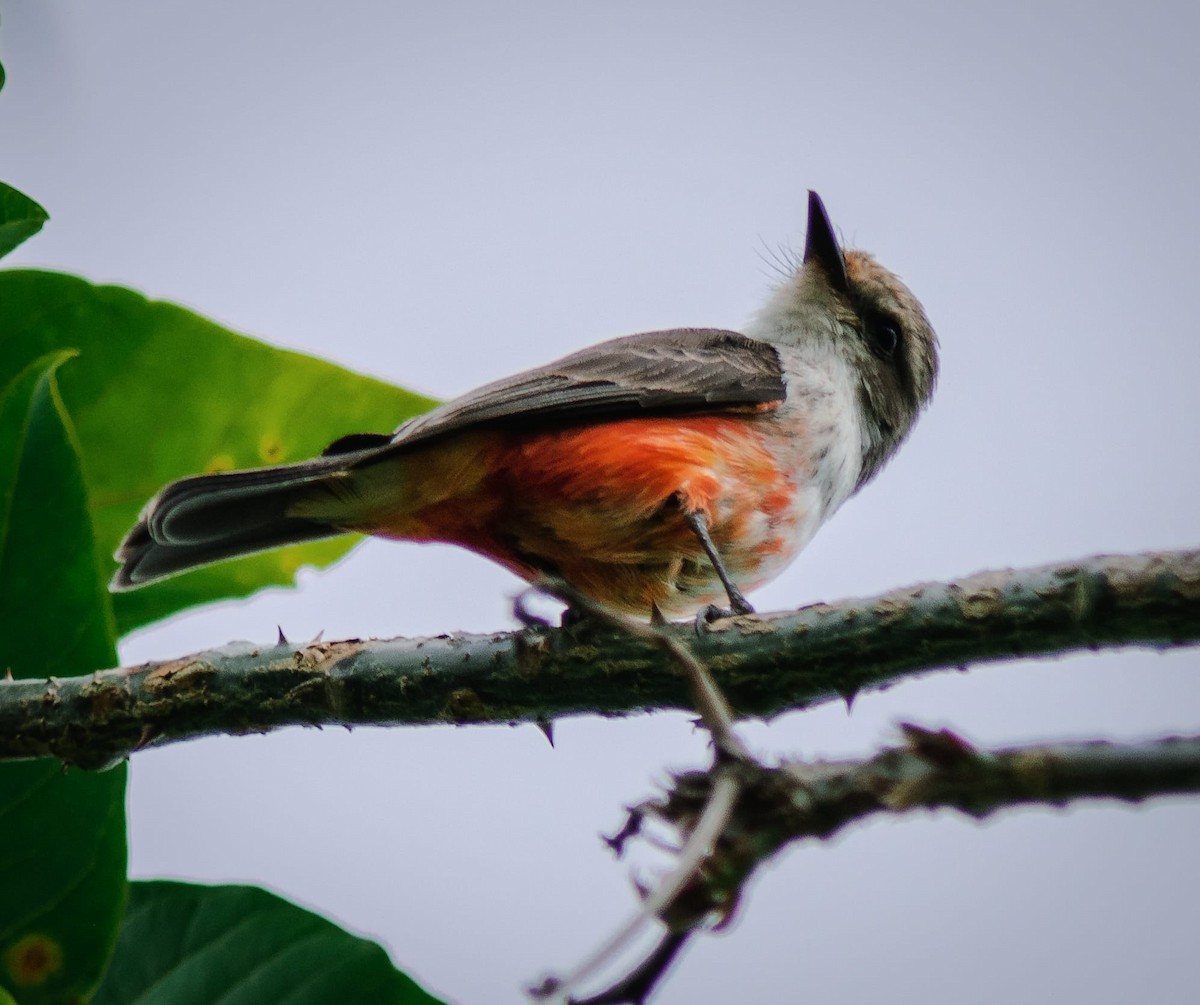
(738, 605)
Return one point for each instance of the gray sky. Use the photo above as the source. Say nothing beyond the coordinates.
(441, 194)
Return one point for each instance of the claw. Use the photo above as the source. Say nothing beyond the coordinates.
(713, 613)
(522, 613)
(708, 615)
(582, 623)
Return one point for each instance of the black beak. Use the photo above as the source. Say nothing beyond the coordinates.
(822, 245)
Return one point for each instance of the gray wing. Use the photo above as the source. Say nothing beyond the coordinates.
(655, 373)
(209, 517)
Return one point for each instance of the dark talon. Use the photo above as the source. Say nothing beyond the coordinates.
(580, 623)
(708, 615)
(521, 611)
(713, 613)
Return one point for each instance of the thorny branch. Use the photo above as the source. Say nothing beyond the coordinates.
(929, 770)
(778, 805)
(762, 665)
(739, 812)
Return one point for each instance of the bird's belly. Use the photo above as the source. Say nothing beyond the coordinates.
(602, 506)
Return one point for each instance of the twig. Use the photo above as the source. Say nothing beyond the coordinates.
(717, 717)
(636, 986)
(698, 846)
(777, 806)
(931, 770)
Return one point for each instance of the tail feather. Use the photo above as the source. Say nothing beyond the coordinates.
(207, 518)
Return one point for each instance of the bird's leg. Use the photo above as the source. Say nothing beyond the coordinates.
(737, 603)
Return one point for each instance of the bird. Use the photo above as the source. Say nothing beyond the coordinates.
(656, 475)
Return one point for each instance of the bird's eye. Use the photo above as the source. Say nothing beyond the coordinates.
(884, 335)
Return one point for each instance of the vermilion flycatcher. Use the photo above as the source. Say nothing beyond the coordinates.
(659, 472)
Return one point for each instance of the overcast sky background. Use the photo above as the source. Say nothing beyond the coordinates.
(439, 194)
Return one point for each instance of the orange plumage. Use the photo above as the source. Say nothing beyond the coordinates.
(601, 505)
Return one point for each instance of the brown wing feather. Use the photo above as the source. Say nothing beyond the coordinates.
(679, 370)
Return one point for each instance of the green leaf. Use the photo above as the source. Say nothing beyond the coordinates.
(159, 392)
(183, 944)
(62, 874)
(20, 216)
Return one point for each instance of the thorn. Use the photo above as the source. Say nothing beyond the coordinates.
(283, 641)
(631, 828)
(848, 697)
(656, 616)
(317, 638)
(547, 989)
(149, 735)
(942, 747)
(8, 673)
(729, 912)
(547, 728)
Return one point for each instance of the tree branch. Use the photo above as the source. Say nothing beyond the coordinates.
(763, 665)
(931, 770)
(761, 809)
